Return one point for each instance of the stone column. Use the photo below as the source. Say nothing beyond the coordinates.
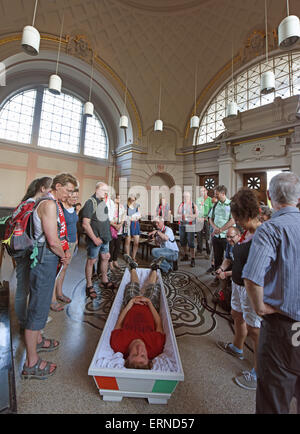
(295, 151)
(226, 168)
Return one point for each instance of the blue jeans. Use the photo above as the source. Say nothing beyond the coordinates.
(22, 289)
(42, 280)
(93, 250)
(170, 255)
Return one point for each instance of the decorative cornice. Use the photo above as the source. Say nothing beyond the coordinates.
(199, 151)
(255, 139)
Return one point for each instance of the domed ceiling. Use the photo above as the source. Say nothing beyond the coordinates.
(153, 40)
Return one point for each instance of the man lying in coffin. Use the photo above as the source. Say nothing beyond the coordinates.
(138, 332)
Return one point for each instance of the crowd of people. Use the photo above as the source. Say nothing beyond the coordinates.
(249, 245)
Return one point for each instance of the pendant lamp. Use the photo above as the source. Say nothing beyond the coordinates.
(267, 81)
(288, 31)
(158, 125)
(195, 120)
(88, 109)
(31, 37)
(124, 119)
(55, 82)
(232, 108)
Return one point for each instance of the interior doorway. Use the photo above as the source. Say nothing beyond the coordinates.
(164, 182)
(259, 182)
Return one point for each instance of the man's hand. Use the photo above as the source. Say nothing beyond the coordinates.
(216, 231)
(140, 299)
(97, 241)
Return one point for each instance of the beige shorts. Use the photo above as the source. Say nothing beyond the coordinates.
(240, 303)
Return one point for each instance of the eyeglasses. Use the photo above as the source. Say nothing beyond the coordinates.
(230, 237)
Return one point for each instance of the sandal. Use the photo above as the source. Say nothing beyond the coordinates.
(63, 298)
(51, 347)
(108, 285)
(90, 292)
(36, 372)
(56, 307)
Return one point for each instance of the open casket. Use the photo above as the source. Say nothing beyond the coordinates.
(114, 380)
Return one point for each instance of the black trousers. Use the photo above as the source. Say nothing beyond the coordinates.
(278, 365)
(114, 248)
(204, 233)
(219, 246)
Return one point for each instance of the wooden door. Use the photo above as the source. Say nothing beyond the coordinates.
(258, 183)
(210, 182)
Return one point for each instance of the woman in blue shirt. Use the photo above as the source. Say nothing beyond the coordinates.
(71, 218)
(132, 226)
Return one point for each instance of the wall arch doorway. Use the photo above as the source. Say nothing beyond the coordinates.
(160, 185)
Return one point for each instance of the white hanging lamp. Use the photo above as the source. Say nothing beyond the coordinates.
(88, 109)
(232, 108)
(195, 120)
(288, 30)
(124, 119)
(31, 37)
(55, 82)
(159, 125)
(267, 81)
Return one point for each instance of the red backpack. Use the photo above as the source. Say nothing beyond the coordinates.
(17, 237)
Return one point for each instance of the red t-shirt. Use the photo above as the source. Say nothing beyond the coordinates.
(138, 324)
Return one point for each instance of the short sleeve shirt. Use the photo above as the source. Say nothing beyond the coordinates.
(222, 214)
(101, 228)
(138, 324)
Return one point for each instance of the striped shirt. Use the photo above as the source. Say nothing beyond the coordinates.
(274, 261)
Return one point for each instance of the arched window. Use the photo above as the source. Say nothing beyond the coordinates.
(39, 118)
(246, 91)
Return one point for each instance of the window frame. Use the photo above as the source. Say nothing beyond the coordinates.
(231, 87)
(37, 123)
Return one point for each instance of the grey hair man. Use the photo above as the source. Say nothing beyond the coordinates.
(95, 222)
(272, 280)
(166, 245)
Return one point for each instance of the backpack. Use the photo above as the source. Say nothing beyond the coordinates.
(222, 296)
(80, 216)
(3, 223)
(18, 236)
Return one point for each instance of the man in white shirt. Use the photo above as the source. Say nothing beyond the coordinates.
(165, 239)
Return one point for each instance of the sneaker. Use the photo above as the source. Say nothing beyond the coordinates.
(225, 347)
(247, 380)
(132, 264)
(193, 262)
(210, 269)
(185, 258)
(156, 262)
